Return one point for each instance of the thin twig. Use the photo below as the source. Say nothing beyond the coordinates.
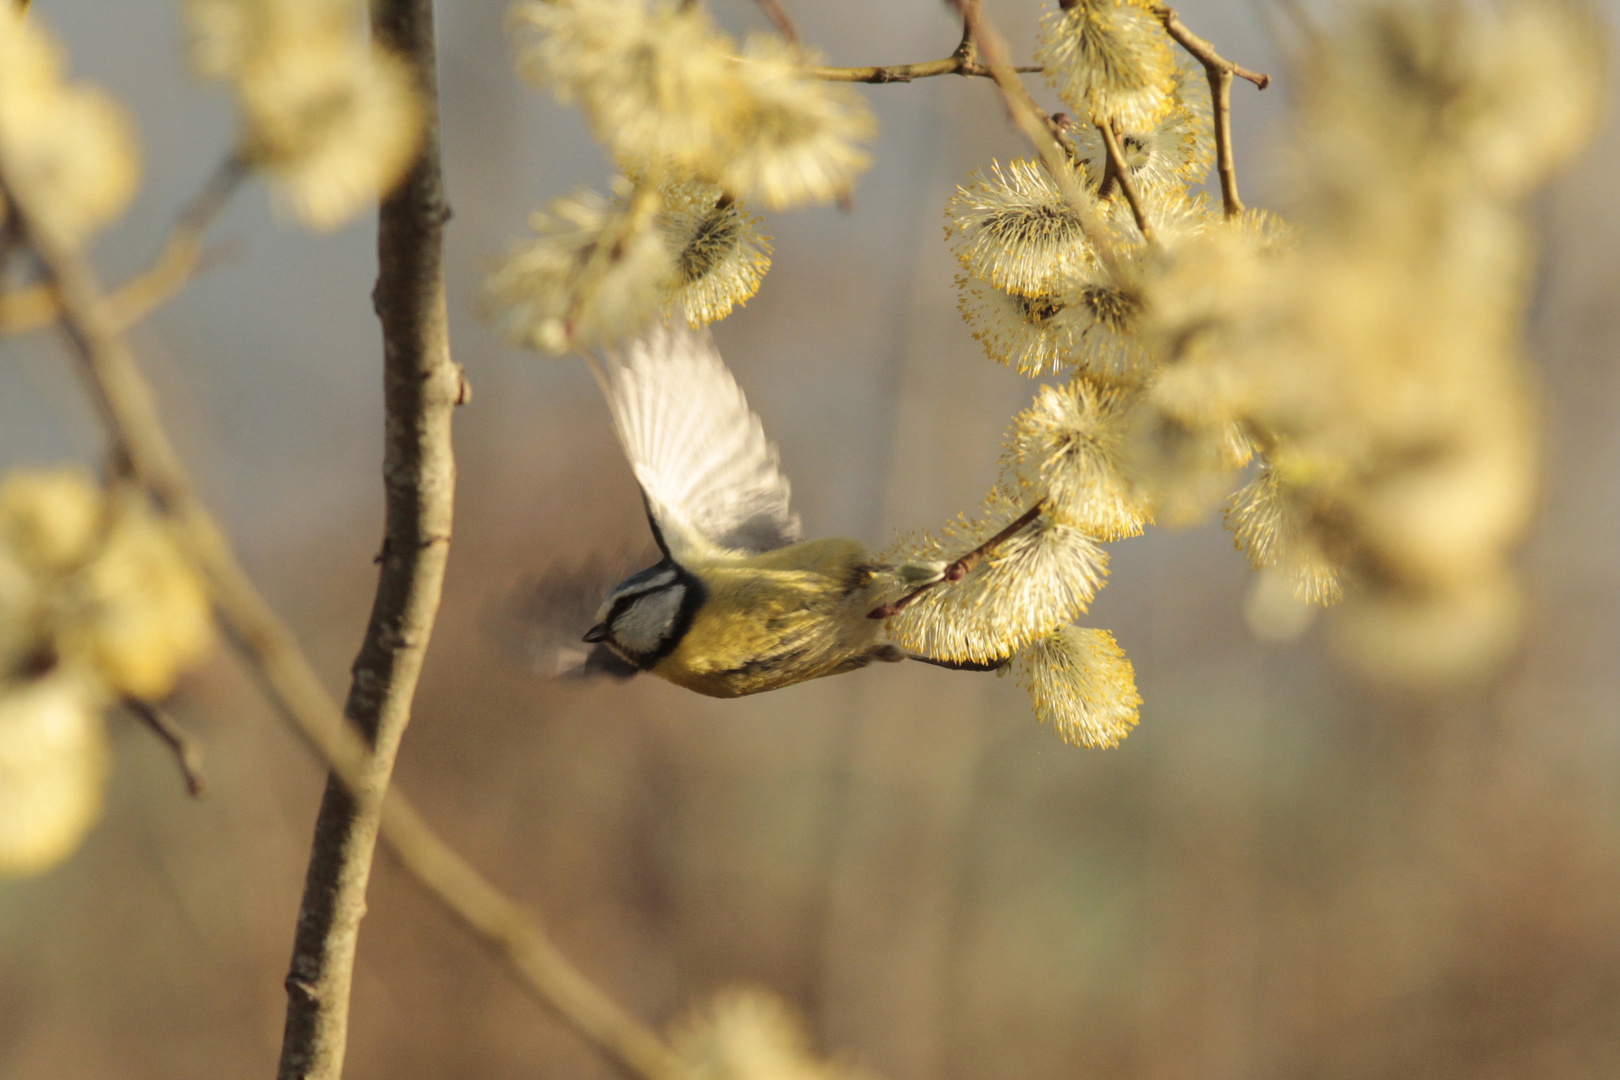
(1120, 171)
(958, 569)
(1220, 95)
(1058, 124)
(964, 61)
(900, 73)
(186, 750)
(1203, 51)
(780, 19)
(420, 387)
(35, 307)
(1219, 71)
(128, 412)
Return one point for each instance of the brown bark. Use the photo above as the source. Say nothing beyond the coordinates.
(421, 386)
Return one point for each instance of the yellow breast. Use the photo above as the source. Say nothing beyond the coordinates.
(776, 619)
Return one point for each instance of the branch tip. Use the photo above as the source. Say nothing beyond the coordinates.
(188, 754)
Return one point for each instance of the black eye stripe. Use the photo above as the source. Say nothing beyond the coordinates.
(692, 596)
(624, 600)
(650, 580)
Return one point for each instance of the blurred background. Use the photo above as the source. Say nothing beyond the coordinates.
(1279, 875)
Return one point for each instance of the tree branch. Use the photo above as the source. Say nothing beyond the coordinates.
(35, 307)
(420, 388)
(780, 19)
(124, 402)
(964, 61)
(899, 73)
(1120, 171)
(1219, 71)
(957, 570)
(187, 753)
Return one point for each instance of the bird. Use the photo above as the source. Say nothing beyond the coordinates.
(739, 602)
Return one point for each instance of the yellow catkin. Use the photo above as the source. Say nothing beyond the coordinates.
(1082, 684)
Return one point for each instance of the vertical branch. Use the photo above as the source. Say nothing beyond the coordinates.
(420, 389)
(1220, 96)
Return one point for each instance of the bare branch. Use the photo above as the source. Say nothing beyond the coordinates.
(35, 307)
(1220, 96)
(124, 402)
(1203, 51)
(186, 750)
(1219, 71)
(780, 19)
(1121, 174)
(421, 385)
(957, 570)
(964, 61)
(893, 73)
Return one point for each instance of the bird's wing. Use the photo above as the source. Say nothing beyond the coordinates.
(709, 475)
(544, 619)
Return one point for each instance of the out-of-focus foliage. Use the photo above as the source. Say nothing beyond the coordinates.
(684, 247)
(562, 287)
(1377, 366)
(669, 94)
(747, 1034)
(96, 604)
(332, 118)
(1368, 355)
(53, 766)
(697, 125)
(71, 145)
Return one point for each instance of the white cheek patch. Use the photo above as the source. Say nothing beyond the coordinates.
(648, 619)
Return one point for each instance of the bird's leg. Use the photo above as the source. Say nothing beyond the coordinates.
(954, 571)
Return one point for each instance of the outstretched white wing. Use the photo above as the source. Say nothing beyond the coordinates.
(710, 476)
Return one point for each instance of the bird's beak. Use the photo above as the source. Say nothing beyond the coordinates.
(599, 632)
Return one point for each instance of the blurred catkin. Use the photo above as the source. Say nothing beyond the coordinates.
(96, 604)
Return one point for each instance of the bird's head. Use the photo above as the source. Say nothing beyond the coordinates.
(646, 614)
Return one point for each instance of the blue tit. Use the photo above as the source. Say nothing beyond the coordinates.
(740, 601)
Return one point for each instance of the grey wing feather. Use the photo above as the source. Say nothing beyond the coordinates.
(543, 621)
(710, 476)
